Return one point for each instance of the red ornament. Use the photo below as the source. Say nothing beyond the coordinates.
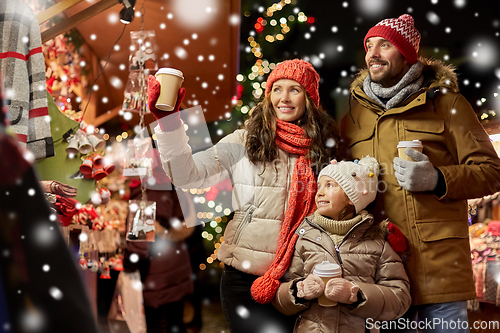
(239, 90)
(258, 27)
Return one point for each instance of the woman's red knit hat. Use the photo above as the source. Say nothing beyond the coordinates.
(297, 70)
(401, 33)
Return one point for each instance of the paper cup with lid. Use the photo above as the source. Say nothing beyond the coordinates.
(326, 271)
(170, 80)
(415, 144)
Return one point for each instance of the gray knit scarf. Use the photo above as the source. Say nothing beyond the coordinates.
(410, 83)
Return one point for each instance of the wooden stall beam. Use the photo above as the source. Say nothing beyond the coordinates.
(76, 19)
(55, 9)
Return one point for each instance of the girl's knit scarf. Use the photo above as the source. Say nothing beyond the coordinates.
(290, 138)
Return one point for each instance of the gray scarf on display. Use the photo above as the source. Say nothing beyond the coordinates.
(410, 83)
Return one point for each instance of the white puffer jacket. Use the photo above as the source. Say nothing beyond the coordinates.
(259, 197)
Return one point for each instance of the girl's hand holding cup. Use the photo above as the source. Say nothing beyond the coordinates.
(311, 287)
(342, 291)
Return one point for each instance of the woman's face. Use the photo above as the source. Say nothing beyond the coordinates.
(289, 100)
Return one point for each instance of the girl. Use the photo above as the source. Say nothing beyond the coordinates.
(271, 164)
(374, 283)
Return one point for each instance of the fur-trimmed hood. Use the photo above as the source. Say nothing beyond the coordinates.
(437, 75)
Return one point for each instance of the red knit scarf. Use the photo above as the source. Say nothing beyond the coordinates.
(290, 138)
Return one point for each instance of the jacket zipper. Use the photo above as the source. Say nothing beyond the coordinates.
(338, 252)
(243, 224)
(331, 240)
(297, 323)
(337, 248)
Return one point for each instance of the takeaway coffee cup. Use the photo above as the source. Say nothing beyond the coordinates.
(170, 80)
(326, 271)
(415, 144)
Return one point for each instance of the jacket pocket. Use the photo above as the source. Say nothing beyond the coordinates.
(428, 209)
(434, 126)
(246, 220)
(425, 130)
(361, 135)
(439, 230)
(361, 141)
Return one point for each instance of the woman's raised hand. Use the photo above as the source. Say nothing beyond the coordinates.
(153, 94)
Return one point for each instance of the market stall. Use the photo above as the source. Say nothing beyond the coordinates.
(484, 233)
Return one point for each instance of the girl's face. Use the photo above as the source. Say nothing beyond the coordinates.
(330, 198)
(289, 100)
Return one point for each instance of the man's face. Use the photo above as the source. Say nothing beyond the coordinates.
(385, 63)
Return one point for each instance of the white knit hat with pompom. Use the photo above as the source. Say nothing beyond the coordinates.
(358, 179)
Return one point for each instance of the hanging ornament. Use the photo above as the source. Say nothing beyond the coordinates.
(119, 264)
(143, 50)
(140, 221)
(105, 273)
(136, 162)
(105, 195)
(83, 262)
(134, 90)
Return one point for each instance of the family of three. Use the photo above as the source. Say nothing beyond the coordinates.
(299, 198)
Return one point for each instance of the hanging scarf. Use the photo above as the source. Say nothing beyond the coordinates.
(290, 138)
(409, 83)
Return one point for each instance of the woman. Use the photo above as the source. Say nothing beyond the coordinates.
(272, 164)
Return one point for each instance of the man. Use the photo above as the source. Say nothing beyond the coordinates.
(401, 98)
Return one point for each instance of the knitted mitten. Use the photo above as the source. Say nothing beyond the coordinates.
(174, 121)
(415, 176)
(311, 287)
(342, 291)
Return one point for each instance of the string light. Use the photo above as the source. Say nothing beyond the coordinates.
(262, 67)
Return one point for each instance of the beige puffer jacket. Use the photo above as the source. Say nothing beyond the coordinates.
(366, 259)
(259, 197)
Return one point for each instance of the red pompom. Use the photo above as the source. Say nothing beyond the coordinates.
(396, 238)
(264, 288)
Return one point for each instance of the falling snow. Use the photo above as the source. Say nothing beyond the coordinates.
(56, 293)
(242, 312)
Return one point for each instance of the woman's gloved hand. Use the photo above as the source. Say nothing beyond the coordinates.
(153, 93)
